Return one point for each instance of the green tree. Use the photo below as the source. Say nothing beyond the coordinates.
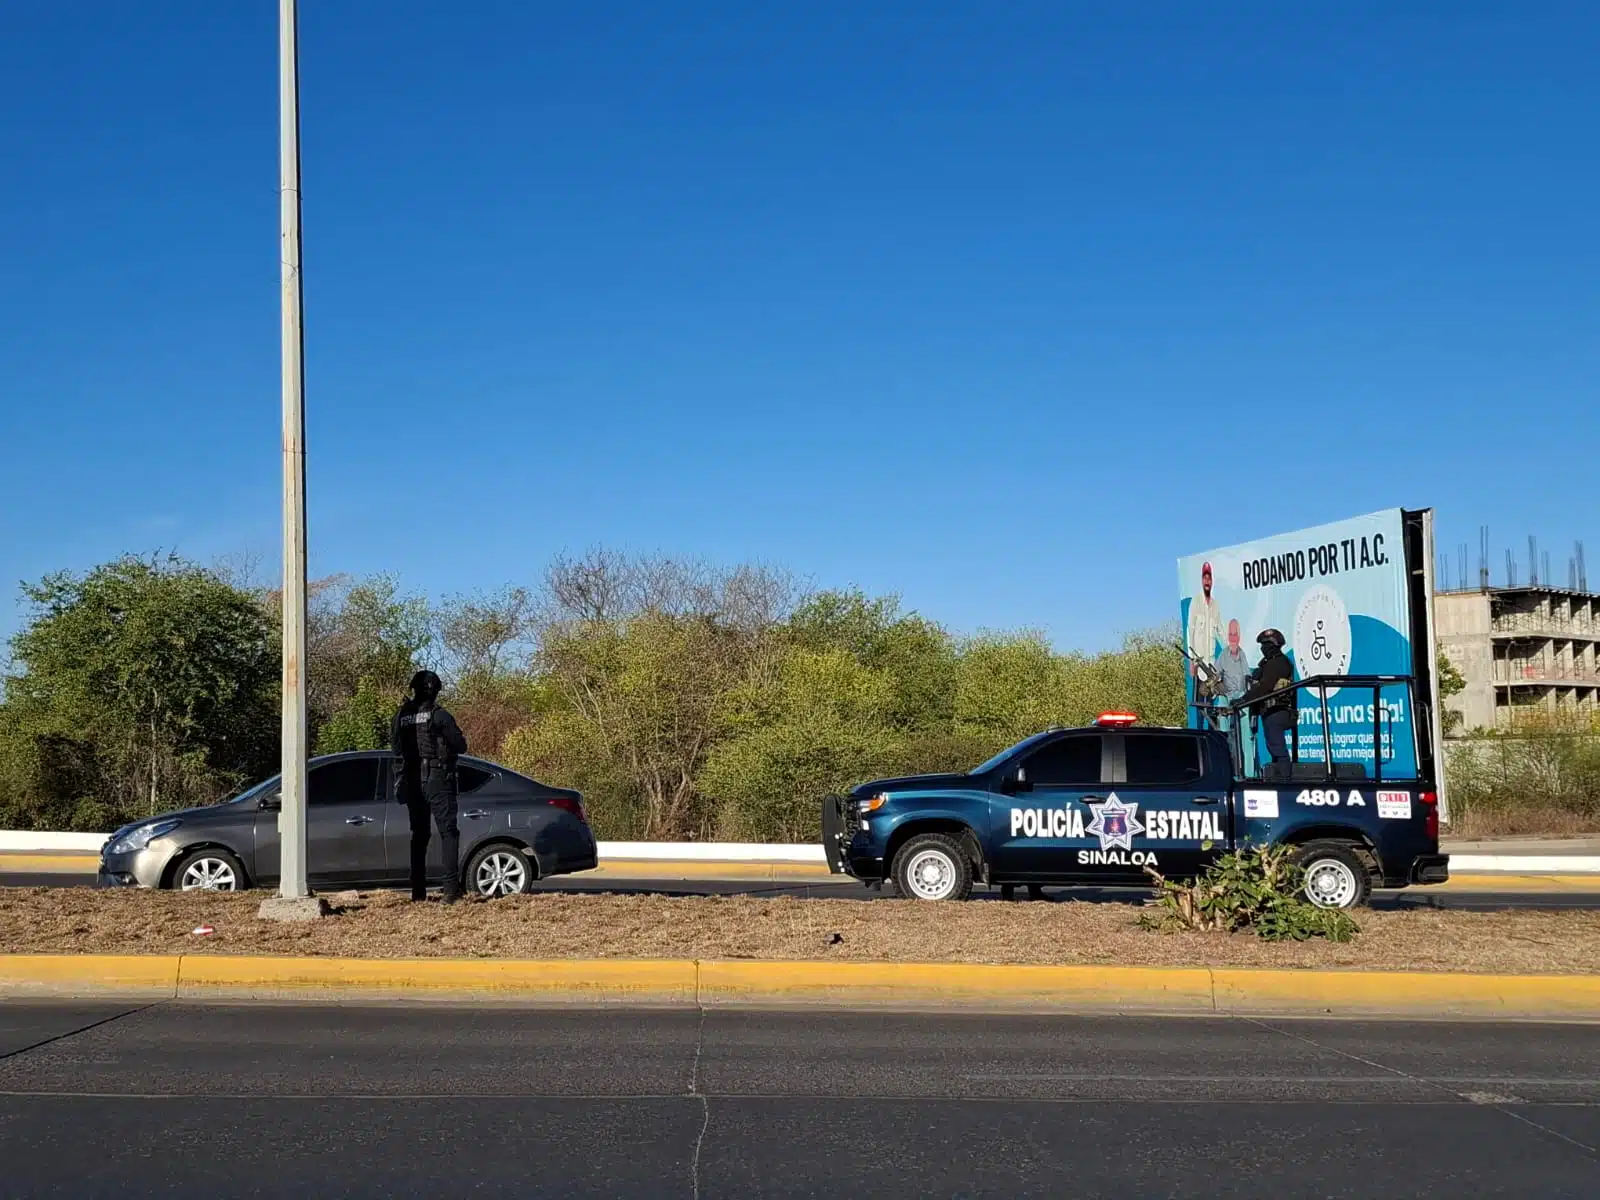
(362, 724)
(822, 724)
(1451, 683)
(643, 655)
(1007, 687)
(916, 655)
(364, 641)
(139, 685)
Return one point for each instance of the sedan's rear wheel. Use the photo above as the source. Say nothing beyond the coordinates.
(500, 871)
(209, 871)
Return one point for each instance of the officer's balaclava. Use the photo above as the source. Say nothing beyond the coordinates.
(425, 687)
(1271, 643)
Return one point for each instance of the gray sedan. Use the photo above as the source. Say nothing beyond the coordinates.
(513, 831)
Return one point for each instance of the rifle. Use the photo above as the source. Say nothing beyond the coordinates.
(1208, 680)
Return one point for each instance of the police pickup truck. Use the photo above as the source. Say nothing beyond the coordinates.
(1096, 806)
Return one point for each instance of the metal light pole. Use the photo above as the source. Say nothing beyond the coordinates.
(292, 816)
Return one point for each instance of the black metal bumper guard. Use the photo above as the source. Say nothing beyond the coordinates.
(836, 832)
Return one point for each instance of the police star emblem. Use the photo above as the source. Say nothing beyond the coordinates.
(1115, 823)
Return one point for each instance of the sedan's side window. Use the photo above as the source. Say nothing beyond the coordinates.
(470, 779)
(349, 781)
(1071, 761)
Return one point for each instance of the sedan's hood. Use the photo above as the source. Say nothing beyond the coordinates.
(910, 783)
(201, 813)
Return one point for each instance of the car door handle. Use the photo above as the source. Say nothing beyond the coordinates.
(358, 820)
(1205, 799)
(476, 813)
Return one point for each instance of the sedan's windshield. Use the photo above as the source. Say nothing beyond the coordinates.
(994, 762)
(253, 793)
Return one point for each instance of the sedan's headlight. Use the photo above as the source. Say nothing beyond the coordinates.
(141, 836)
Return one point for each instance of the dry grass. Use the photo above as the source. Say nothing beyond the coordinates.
(1518, 821)
(386, 925)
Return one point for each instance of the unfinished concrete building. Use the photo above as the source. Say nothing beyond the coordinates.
(1522, 651)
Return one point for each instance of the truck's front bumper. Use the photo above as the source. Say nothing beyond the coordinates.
(845, 843)
(836, 833)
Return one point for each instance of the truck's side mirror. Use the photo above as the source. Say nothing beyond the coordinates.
(1015, 784)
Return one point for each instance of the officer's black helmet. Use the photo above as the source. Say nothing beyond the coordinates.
(425, 685)
(1270, 637)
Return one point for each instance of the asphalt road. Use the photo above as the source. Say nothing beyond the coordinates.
(302, 1101)
(1478, 901)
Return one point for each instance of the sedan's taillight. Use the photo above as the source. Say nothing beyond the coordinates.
(572, 805)
(1430, 814)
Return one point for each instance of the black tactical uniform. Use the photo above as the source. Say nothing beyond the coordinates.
(1277, 708)
(426, 741)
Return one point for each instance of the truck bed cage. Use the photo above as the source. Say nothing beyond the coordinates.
(1239, 714)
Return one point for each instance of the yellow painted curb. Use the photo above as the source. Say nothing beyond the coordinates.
(1181, 989)
(1423, 993)
(61, 864)
(580, 981)
(1495, 881)
(81, 974)
(688, 982)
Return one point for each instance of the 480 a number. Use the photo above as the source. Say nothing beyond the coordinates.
(1320, 797)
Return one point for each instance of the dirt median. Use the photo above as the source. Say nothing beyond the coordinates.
(387, 925)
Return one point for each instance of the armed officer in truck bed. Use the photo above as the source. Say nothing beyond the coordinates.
(427, 741)
(1269, 696)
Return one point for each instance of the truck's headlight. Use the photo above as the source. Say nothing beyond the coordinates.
(872, 803)
(141, 836)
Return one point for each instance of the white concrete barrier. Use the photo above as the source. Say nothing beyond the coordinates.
(1525, 864)
(35, 842)
(31, 841)
(752, 852)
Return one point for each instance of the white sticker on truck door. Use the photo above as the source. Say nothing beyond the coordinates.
(1394, 806)
(1261, 804)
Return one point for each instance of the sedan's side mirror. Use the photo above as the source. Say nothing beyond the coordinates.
(273, 802)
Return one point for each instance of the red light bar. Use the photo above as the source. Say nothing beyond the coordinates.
(1116, 718)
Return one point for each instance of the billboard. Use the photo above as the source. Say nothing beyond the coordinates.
(1340, 594)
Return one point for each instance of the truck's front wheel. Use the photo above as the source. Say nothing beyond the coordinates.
(931, 866)
(1335, 875)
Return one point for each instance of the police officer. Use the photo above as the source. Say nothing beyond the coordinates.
(426, 742)
(1270, 697)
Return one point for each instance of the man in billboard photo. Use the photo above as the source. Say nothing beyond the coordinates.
(1268, 696)
(1234, 665)
(1205, 624)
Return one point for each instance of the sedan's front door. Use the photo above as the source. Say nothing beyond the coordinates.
(345, 822)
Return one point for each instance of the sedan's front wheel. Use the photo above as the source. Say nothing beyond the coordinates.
(500, 871)
(209, 871)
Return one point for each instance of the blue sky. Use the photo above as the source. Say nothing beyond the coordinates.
(1001, 307)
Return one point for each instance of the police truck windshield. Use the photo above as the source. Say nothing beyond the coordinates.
(991, 764)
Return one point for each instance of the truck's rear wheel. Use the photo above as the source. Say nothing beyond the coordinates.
(932, 866)
(1335, 875)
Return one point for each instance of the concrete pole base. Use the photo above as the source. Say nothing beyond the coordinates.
(297, 908)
